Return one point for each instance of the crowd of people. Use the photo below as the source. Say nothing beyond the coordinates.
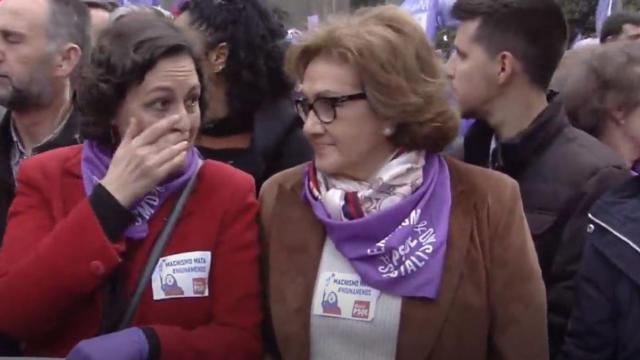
(205, 185)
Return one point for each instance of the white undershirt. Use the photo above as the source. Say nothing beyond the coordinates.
(337, 338)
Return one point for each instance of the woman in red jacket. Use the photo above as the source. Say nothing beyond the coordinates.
(86, 218)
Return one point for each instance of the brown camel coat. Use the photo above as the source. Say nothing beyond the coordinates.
(491, 303)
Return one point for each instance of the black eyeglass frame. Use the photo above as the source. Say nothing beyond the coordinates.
(301, 103)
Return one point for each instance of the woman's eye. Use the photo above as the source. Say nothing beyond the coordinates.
(160, 105)
(13, 39)
(192, 103)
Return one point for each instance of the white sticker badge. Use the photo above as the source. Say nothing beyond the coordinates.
(344, 296)
(182, 275)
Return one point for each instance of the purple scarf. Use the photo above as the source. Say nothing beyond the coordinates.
(399, 250)
(94, 165)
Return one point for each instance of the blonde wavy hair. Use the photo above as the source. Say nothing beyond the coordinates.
(402, 75)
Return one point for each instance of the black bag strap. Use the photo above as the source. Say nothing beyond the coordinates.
(156, 251)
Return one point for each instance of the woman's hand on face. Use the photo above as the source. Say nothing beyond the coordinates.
(145, 158)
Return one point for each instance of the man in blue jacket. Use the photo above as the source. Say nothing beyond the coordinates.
(604, 325)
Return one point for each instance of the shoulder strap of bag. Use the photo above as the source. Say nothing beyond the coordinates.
(156, 251)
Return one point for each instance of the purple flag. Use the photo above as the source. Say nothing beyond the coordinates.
(426, 14)
(444, 14)
(605, 8)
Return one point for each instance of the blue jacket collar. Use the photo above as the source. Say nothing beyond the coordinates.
(618, 214)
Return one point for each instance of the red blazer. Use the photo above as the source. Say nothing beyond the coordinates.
(56, 259)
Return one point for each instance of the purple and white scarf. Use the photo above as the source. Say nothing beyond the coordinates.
(397, 246)
(94, 165)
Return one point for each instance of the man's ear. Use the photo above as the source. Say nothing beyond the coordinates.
(217, 58)
(506, 65)
(67, 60)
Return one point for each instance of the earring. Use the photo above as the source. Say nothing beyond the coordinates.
(388, 131)
(115, 135)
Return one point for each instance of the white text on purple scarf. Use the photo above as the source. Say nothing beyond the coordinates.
(410, 256)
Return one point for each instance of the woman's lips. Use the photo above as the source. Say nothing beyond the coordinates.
(322, 146)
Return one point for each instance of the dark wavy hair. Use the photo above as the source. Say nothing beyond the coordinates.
(254, 68)
(124, 53)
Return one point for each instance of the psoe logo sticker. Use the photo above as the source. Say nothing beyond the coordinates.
(199, 286)
(360, 309)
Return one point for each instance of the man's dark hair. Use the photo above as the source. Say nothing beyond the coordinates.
(612, 27)
(534, 31)
(106, 5)
(254, 68)
(69, 23)
(124, 53)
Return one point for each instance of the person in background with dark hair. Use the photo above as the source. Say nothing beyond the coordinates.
(506, 53)
(126, 10)
(99, 11)
(250, 122)
(41, 48)
(620, 27)
(86, 217)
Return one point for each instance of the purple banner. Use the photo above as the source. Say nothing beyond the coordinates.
(605, 8)
(426, 14)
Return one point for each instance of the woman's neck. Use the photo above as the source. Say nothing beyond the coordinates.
(369, 168)
(621, 142)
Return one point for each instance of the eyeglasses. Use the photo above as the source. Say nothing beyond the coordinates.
(324, 107)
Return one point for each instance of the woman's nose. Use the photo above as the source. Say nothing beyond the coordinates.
(183, 123)
(313, 125)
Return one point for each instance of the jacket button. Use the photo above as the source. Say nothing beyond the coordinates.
(590, 228)
(97, 268)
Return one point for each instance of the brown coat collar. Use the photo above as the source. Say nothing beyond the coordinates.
(294, 264)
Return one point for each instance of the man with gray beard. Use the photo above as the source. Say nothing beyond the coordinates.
(41, 44)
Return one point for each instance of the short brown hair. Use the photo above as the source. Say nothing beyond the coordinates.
(608, 80)
(125, 52)
(402, 76)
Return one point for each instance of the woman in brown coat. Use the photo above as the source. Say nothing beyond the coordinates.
(382, 248)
